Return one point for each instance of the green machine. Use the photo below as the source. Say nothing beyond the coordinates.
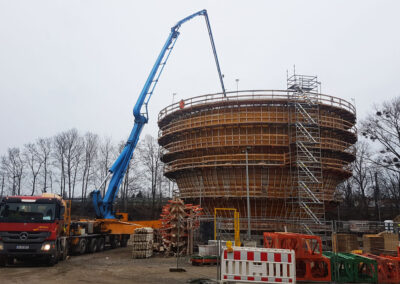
(348, 267)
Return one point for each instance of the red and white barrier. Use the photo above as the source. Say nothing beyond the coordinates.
(262, 265)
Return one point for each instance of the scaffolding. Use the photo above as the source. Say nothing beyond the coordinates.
(204, 147)
(306, 195)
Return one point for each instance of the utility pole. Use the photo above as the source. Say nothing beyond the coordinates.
(248, 195)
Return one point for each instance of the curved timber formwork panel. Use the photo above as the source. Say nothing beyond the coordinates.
(204, 140)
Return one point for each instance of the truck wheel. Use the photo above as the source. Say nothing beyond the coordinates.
(100, 244)
(53, 258)
(114, 242)
(10, 260)
(6, 260)
(3, 261)
(124, 240)
(92, 245)
(82, 246)
(65, 251)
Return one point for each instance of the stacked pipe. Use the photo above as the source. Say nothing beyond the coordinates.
(178, 221)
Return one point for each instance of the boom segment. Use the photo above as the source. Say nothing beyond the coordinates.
(104, 205)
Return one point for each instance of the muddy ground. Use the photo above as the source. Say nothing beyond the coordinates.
(110, 266)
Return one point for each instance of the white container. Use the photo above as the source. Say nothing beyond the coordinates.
(206, 250)
(223, 243)
(389, 225)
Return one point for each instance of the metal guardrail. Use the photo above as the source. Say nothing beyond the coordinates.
(242, 140)
(237, 160)
(253, 95)
(209, 120)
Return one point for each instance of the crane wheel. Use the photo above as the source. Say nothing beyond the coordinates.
(124, 240)
(10, 260)
(114, 242)
(92, 245)
(100, 244)
(3, 261)
(82, 246)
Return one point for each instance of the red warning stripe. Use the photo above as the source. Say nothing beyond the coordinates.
(264, 256)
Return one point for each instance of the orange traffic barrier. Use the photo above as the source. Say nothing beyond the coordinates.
(305, 246)
(388, 269)
(395, 265)
(311, 265)
(315, 270)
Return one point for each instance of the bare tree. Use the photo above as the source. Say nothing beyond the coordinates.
(90, 145)
(3, 180)
(68, 153)
(59, 160)
(44, 148)
(50, 181)
(361, 173)
(376, 191)
(149, 153)
(34, 163)
(345, 191)
(132, 179)
(391, 182)
(105, 159)
(73, 156)
(13, 165)
(383, 127)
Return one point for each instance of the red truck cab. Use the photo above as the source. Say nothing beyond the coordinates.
(32, 226)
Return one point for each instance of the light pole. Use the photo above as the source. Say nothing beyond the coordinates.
(248, 195)
(237, 86)
(173, 97)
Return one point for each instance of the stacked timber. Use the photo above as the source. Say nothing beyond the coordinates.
(142, 243)
(373, 244)
(390, 243)
(345, 242)
(178, 222)
(157, 242)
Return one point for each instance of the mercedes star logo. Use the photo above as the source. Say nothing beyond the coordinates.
(23, 236)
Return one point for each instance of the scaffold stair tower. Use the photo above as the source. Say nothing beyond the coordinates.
(306, 200)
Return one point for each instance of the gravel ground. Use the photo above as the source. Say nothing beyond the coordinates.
(110, 266)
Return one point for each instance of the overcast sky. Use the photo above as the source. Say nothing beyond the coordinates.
(82, 64)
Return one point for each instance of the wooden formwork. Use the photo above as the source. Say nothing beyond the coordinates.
(205, 139)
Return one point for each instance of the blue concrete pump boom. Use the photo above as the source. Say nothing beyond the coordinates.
(104, 206)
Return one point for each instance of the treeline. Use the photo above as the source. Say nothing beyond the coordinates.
(73, 164)
(373, 192)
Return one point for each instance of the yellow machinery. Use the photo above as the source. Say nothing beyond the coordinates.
(236, 224)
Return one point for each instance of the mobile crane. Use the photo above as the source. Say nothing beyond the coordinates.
(41, 225)
(104, 206)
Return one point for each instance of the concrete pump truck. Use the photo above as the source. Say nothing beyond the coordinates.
(41, 226)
